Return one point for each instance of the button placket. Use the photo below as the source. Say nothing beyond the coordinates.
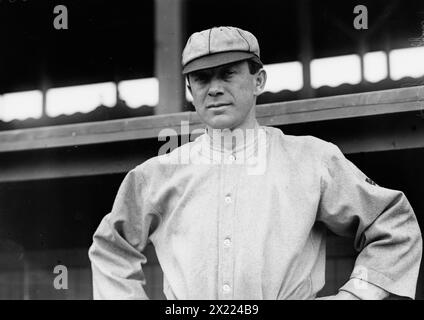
(226, 231)
(227, 254)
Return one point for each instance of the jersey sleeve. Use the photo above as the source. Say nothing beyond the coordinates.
(116, 253)
(382, 223)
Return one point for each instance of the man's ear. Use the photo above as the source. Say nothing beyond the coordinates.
(260, 81)
(188, 85)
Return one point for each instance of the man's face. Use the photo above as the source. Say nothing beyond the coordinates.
(224, 96)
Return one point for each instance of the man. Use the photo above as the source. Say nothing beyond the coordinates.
(223, 231)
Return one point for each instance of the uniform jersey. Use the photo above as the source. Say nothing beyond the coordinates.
(250, 223)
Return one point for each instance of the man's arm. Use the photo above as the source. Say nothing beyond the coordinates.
(116, 253)
(383, 224)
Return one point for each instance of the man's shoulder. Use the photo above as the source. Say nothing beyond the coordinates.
(306, 144)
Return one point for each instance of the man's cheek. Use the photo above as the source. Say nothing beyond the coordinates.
(197, 100)
(196, 103)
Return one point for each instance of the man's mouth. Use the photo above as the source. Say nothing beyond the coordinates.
(216, 105)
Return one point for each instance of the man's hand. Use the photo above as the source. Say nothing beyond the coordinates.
(342, 295)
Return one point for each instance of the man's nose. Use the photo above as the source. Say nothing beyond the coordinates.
(215, 88)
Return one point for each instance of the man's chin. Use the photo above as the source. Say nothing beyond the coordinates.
(221, 125)
(221, 122)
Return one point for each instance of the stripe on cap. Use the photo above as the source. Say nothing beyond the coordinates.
(209, 47)
(248, 44)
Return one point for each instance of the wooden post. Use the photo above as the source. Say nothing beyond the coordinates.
(305, 45)
(362, 51)
(387, 48)
(169, 38)
(44, 100)
(45, 83)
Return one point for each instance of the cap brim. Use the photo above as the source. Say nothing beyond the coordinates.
(218, 59)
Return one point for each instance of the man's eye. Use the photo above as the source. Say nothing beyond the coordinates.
(200, 79)
(227, 74)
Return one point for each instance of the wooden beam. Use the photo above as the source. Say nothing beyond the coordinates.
(58, 167)
(388, 132)
(369, 134)
(75, 161)
(283, 113)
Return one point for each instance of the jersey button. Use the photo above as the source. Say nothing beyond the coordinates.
(227, 242)
(226, 288)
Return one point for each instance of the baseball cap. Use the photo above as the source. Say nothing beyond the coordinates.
(217, 46)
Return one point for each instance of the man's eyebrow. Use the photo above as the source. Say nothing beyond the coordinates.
(201, 73)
